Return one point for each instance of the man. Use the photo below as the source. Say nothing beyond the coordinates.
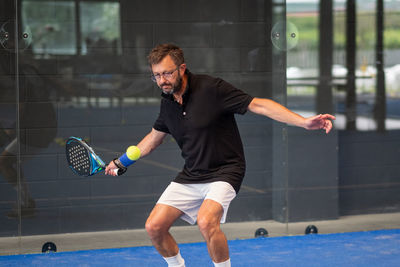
(198, 111)
(35, 109)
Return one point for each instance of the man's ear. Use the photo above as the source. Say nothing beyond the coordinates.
(182, 69)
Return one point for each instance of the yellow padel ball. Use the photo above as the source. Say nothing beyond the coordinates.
(133, 153)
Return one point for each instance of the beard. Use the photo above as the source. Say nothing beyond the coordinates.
(176, 87)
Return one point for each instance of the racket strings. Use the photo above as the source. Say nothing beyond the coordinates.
(78, 158)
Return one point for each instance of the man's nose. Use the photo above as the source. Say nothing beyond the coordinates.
(162, 79)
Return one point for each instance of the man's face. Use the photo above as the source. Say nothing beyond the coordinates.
(168, 76)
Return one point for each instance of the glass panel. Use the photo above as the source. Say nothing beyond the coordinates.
(50, 26)
(10, 182)
(100, 27)
(102, 96)
(312, 155)
(338, 66)
(368, 173)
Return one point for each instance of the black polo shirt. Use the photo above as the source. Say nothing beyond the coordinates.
(205, 129)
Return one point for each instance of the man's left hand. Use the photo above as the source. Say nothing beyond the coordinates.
(321, 121)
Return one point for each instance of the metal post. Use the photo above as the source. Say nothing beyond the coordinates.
(380, 96)
(324, 101)
(351, 100)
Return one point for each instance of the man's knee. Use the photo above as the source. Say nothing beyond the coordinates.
(4, 162)
(7, 160)
(161, 219)
(208, 226)
(152, 228)
(155, 228)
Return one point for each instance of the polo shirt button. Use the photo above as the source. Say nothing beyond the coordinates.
(184, 113)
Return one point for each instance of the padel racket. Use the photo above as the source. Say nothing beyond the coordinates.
(83, 160)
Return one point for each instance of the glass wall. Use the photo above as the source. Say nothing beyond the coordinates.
(79, 68)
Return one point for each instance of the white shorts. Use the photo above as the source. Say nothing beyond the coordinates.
(12, 147)
(189, 197)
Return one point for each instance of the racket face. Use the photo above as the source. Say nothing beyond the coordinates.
(78, 157)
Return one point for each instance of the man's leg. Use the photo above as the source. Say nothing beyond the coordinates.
(157, 226)
(208, 220)
(8, 169)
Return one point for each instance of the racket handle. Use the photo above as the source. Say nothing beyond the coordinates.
(119, 171)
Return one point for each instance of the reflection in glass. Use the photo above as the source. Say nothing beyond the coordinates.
(100, 27)
(53, 26)
(56, 27)
(76, 77)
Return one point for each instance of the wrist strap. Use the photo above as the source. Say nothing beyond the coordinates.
(118, 163)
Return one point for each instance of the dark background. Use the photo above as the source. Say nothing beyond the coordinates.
(102, 93)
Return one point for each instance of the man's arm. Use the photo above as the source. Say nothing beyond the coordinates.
(276, 111)
(150, 142)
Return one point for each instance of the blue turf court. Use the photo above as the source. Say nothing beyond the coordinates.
(375, 248)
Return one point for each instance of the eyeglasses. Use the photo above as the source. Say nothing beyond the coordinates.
(166, 74)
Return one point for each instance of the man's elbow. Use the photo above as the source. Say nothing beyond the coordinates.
(256, 106)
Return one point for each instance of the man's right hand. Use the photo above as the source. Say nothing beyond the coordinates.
(110, 169)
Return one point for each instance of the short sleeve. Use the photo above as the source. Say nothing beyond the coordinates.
(233, 100)
(159, 124)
